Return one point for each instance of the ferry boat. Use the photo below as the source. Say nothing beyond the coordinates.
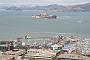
(44, 15)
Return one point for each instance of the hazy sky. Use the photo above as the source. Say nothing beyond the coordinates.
(46, 1)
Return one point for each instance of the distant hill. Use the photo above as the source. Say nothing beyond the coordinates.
(53, 7)
(46, 7)
(85, 7)
(80, 7)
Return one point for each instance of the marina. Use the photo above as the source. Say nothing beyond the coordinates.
(57, 47)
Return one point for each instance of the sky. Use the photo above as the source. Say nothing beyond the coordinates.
(46, 1)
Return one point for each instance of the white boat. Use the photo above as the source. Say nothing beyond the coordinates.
(44, 15)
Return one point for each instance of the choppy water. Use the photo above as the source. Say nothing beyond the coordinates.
(17, 23)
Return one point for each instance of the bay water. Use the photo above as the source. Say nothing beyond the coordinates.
(15, 24)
